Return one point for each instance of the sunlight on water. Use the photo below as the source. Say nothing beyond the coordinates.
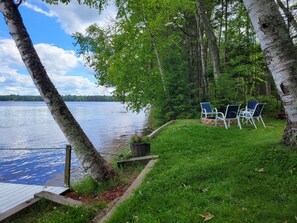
(30, 125)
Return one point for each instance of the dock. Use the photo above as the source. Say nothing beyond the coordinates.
(16, 197)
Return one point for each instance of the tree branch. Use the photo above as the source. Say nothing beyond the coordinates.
(18, 3)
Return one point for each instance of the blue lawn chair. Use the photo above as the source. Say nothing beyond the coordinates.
(206, 109)
(255, 114)
(251, 104)
(232, 113)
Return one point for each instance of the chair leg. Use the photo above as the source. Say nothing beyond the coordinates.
(262, 121)
(225, 123)
(253, 122)
(238, 123)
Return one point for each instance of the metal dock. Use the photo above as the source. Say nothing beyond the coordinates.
(15, 197)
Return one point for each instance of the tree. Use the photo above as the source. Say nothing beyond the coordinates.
(288, 14)
(135, 54)
(281, 58)
(91, 161)
(215, 53)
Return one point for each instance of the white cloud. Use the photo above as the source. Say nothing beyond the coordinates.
(76, 18)
(40, 10)
(59, 63)
(9, 54)
(56, 61)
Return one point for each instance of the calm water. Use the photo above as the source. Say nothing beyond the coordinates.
(30, 125)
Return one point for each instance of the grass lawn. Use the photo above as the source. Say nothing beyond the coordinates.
(210, 173)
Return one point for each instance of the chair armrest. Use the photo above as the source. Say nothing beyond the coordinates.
(215, 110)
(220, 114)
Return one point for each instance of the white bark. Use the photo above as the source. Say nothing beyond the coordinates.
(214, 50)
(281, 57)
(155, 51)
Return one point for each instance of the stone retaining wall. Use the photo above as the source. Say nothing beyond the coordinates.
(211, 122)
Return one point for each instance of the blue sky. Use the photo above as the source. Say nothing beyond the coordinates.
(50, 28)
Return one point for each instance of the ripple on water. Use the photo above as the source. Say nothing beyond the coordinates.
(30, 125)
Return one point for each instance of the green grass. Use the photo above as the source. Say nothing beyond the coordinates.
(124, 178)
(48, 212)
(236, 175)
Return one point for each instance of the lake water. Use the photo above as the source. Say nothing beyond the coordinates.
(30, 125)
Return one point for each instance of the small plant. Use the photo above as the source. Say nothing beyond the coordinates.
(140, 145)
(139, 139)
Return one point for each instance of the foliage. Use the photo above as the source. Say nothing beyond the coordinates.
(151, 40)
(98, 4)
(196, 172)
(88, 185)
(140, 139)
(272, 106)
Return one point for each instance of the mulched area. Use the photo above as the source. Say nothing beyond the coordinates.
(108, 195)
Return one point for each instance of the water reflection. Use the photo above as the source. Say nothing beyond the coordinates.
(30, 124)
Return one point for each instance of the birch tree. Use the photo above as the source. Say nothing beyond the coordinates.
(91, 161)
(288, 14)
(281, 58)
(215, 53)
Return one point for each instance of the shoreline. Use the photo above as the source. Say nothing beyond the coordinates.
(108, 153)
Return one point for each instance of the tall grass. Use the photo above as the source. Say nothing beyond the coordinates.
(217, 174)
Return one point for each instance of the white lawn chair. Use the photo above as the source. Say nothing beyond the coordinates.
(251, 105)
(255, 114)
(230, 114)
(206, 109)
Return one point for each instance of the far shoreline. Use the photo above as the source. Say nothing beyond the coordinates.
(77, 98)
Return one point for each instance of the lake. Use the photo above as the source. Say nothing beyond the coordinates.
(30, 125)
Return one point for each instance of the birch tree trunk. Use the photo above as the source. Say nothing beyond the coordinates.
(214, 50)
(281, 57)
(202, 50)
(155, 51)
(91, 161)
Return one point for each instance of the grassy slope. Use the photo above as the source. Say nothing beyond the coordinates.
(235, 175)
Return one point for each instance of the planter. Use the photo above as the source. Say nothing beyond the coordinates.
(140, 149)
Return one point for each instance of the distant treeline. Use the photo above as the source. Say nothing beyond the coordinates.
(65, 98)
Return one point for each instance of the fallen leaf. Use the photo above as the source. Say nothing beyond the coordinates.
(259, 170)
(205, 190)
(206, 216)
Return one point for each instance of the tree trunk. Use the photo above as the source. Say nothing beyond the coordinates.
(290, 17)
(155, 51)
(215, 53)
(226, 30)
(202, 51)
(221, 23)
(281, 57)
(90, 159)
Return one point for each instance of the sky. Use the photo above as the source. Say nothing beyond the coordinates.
(50, 28)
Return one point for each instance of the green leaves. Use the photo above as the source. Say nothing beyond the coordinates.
(98, 4)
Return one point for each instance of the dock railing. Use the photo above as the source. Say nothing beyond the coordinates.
(67, 166)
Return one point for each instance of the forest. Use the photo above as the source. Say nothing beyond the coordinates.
(171, 55)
